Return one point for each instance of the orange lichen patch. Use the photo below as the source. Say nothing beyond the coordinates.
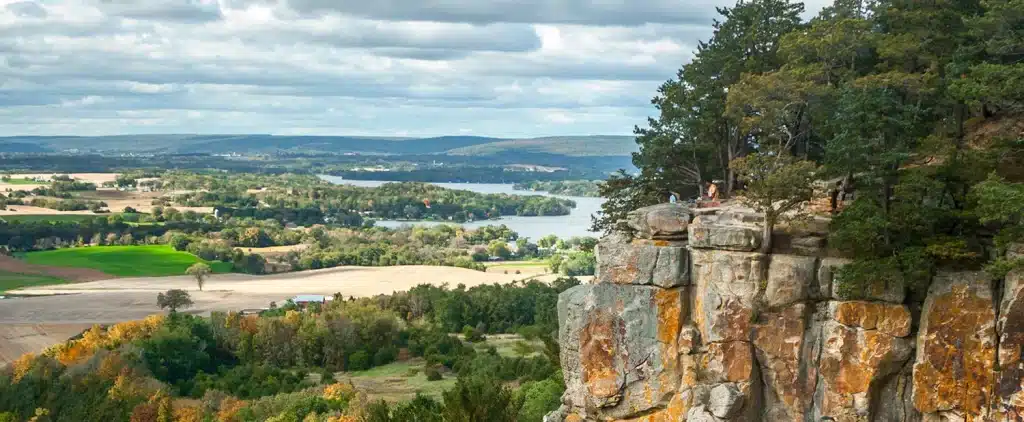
(671, 312)
(598, 349)
(572, 417)
(779, 342)
(732, 323)
(852, 361)
(887, 318)
(955, 363)
(1010, 385)
(676, 411)
(729, 362)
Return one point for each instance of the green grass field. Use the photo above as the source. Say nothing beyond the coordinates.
(22, 182)
(125, 261)
(45, 217)
(11, 281)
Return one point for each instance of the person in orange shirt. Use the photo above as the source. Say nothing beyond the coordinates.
(713, 192)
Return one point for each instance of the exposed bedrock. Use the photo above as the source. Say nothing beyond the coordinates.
(685, 321)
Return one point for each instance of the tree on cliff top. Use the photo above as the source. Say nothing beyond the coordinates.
(776, 185)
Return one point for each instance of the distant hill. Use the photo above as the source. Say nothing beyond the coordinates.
(248, 144)
(577, 146)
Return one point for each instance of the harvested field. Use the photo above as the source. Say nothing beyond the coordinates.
(30, 210)
(97, 178)
(18, 339)
(524, 267)
(126, 299)
(14, 265)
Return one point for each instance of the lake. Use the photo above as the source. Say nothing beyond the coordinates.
(577, 223)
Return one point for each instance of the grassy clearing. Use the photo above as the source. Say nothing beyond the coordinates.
(47, 217)
(397, 381)
(508, 345)
(125, 261)
(11, 281)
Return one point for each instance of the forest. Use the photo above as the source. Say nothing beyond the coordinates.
(280, 365)
(906, 114)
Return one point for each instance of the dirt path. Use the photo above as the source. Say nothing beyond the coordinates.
(15, 265)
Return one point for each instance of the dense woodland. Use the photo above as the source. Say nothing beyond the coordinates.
(908, 113)
(258, 368)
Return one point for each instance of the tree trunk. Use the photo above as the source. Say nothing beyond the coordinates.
(766, 234)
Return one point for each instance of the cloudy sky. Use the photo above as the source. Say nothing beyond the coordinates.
(507, 68)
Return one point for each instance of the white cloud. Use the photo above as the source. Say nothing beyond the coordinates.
(384, 67)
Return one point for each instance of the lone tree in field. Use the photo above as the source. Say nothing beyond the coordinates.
(174, 299)
(777, 184)
(199, 271)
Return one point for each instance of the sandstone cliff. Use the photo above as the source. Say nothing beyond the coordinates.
(686, 322)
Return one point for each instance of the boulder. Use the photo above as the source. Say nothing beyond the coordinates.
(857, 358)
(1010, 328)
(725, 401)
(725, 289)
(620, 261)
(619, 348)
(662, 221)
(954, 372)
(710, 235)
(791, 279)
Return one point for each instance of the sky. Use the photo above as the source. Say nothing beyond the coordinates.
(504, 68)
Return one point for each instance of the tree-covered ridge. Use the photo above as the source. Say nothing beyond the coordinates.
(911, 108)
(588, 188)
(233, 367)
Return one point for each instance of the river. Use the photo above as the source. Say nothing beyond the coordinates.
(577, 223)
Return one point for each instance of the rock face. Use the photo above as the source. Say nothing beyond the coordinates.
(620, 347)
(621, 261)
(954, 372)
(685, 322)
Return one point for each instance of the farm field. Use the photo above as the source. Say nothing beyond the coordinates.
(18, 339)
(125, 261)
(13, 280)
(524, 267)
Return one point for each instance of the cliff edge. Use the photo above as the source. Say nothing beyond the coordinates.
(685, 321)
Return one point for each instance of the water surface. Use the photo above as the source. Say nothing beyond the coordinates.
(577, 223)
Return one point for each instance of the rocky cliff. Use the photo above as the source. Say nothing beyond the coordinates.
(685, 321)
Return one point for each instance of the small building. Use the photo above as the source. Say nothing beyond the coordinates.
(304, 300)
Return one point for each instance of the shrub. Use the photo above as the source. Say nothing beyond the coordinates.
(433, 374)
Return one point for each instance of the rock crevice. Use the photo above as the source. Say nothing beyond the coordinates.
(686, 321)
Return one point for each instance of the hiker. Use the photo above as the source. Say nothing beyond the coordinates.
(713, 191)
